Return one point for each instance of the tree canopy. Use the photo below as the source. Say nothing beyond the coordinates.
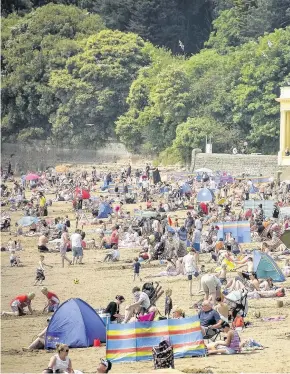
(74, 76)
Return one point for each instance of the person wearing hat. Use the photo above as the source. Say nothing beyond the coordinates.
(52, 300)
(113, 308)
(19, 303)
(104, 366)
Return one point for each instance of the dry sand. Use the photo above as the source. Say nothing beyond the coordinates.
(99, 283)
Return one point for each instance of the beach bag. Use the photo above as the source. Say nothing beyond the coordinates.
(163, 356)
(147, 317)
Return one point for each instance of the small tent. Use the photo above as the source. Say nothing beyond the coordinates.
(76, 324)
(265, 267)
(105, 210)
(186, 189)
(205, 195)
(253, 189)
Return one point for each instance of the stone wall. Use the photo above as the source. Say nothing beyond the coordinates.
(38, 156)
(266, 165)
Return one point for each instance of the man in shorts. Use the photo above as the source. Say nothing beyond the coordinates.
(19, 303)
(77, 250)
(211, 286)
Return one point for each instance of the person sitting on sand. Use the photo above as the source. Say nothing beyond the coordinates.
(113, 308)
(141, 304)
(209, 318)
(113, 255)
(52, 300)
(229, 346)
(42, 243)
(14, 260)
(222, 309)
(39, 342)
(60, 362)
(19, 303)
(177, 313)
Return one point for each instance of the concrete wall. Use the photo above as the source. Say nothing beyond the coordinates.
(38, 156)
(238, 164)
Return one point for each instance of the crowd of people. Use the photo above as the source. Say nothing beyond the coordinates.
(181, 241)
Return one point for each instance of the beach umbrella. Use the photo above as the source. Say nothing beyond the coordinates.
(205, 195)
(32, 177)
(27, 221)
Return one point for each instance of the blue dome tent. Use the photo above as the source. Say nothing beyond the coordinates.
(265, 267)
(76, 324)
(205, 195)
(105, 210)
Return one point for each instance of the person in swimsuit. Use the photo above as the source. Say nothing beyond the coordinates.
(229, 346)
(60, 362)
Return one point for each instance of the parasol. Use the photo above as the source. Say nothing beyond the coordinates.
(32, 177)
(27, 221)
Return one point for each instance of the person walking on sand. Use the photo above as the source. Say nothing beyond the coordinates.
(137, 267)
(190, 268)
(63, 246)
(77, 250)
(40, 277)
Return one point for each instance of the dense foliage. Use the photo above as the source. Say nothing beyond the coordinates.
(73, 76)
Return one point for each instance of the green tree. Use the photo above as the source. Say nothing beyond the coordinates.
(240, 21)
(91, 91)
(33, 46)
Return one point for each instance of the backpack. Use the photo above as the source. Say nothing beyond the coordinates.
(238, 322)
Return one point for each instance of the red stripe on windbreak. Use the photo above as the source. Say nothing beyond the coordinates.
(180, 332)
(152, 334)
(145, 349)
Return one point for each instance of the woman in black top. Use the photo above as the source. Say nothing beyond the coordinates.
(114, 308)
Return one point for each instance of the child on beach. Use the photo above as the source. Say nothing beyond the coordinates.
(137, 267)
(222, 275)
(40, 277)
(14, 260)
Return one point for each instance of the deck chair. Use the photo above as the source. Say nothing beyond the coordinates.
(212, 334)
